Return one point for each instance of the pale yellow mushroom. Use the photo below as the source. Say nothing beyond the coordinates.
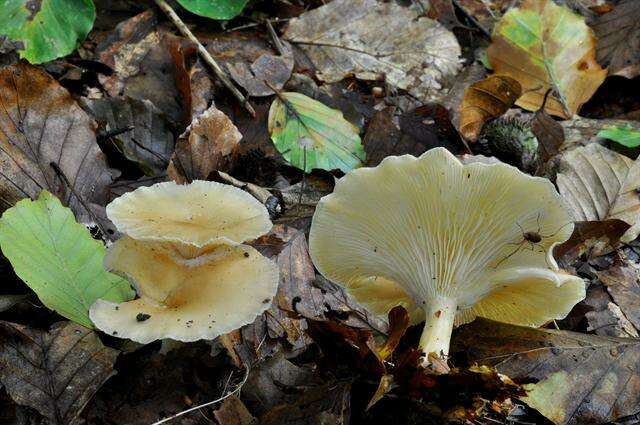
(447, 241)
(184, 255)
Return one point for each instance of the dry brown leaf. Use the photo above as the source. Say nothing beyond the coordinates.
(485, 100)
(54, 372)
(592, 237)
(376, 40)
(232, 411)
(623, 283)
(580, 378)
(600, 184)
(206, 146)
(618, 35)
(545, 46)
(41, 124)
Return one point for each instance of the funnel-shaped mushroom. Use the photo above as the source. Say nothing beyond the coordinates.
(184, 254)
(447, 241)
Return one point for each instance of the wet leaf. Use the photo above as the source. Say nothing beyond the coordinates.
(46, 29)
(374, 40)
(579, 378)
(545, 46)
(55, 372)
(58, 258)
(599, 184)
(206, 146)
(485, 100)
(214, 9)
(303, 128)
(549, 133)
(628, 136)
(275, 70)
(618, 35)
(42, 124)
(144, 134)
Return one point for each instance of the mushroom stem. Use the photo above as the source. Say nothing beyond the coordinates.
(440, 314)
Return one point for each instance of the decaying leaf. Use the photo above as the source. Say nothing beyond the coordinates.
(580, 378)
(58, 259)
(623, 283)
(414, 132)
(143, 132)
(55, 372)
(600, 184)
(311, 135)
(605, 317)
(9, 300)
(377, 40)
(43, 128)
(618, 35)
(206, 146)
(545, 46)
(485, 100)
(233, 412)
(275, 70)
(549, 133)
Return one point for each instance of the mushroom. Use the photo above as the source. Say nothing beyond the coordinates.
(447, 241)
(183, 252)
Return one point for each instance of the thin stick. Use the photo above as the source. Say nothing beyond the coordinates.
(162, 4)
(258, 192)
(200, 406)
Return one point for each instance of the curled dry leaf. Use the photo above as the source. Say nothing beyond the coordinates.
(580, 378)
(618, 35)
(377, 40)
(485, 100)
(55, 372)
(592, 237)
(43, 125)
(206, 146)
(600, 184)
(545, 46)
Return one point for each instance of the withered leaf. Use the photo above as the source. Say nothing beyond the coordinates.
(374, 40)
(581, 131)
(549, 133)
(55, 372)
(232, 411)
(43, 128)
(580, 378)
(325, 404)
(414, 132)
(275, 70)
(623, 283)
(485, 100)
(592, 237)
(144, 135)
(600, 184)
(618, 33)
(543, 46)
(206, 146)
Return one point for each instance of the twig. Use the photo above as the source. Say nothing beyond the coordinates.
(162, 4)
(276, 40)
(200, 406)
(258, 192)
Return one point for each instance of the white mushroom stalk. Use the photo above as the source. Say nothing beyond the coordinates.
(447, 241)
(184, 254)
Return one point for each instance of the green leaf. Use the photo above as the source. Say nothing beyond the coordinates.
(628, 137)
(58, 258)
(298, 123)
(214, 9)
(47, 29)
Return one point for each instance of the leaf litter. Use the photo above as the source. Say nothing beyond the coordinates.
(138, 104)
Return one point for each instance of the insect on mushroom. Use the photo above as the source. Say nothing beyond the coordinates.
(426, 233)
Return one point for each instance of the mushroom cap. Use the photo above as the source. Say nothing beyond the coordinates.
(413, 228)
(185, 299)
(200, 213)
